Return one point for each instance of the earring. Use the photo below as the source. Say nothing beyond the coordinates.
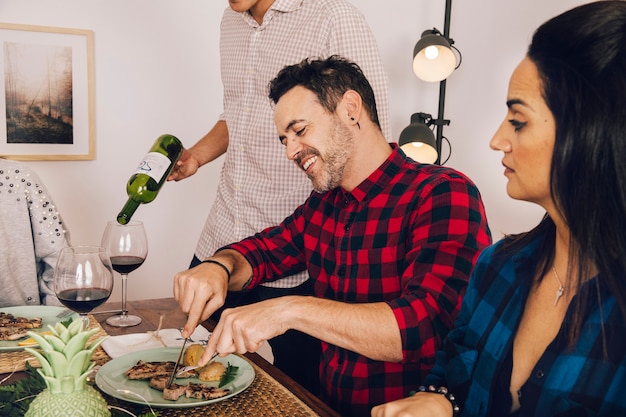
(352, 118)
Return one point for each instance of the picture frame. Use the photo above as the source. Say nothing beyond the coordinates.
(46, 93)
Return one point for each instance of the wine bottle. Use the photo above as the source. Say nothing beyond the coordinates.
(145, 183)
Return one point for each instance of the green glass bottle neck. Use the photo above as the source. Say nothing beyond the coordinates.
(127, 211)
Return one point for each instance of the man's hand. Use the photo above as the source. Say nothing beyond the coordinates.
(245, 329)
(208, 148)
(200, 291)
(185, 167)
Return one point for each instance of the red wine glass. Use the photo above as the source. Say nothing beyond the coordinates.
(83, 279)
(128, 246)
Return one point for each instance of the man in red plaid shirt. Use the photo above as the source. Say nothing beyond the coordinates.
(389, 242)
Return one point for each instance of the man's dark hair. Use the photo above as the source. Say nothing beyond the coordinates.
(328, 79)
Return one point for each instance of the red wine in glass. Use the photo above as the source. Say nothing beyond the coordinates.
(83, 300)
(126, 264)
(83, 278)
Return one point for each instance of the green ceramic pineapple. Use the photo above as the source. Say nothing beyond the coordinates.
(65, 365)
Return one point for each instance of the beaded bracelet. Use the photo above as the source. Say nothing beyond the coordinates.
(456, 409)
(221, 265)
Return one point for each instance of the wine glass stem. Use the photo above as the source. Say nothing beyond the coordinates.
(124, 283)
(85, 318)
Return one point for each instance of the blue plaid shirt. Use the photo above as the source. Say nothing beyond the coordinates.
(565, 381)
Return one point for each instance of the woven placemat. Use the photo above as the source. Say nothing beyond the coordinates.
(15, 361)
(264, 397)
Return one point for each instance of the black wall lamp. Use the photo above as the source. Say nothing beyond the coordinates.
(434, 59)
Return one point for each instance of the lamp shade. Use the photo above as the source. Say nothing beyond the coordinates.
(433, 58)
(418, 141)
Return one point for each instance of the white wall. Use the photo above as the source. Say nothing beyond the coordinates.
(157, 71)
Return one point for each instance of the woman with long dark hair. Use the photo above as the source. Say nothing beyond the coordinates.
(542, 329)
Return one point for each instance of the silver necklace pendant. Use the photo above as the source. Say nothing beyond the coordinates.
(561, 290)
(559, 294)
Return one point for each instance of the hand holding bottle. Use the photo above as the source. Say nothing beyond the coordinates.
(210, 147)
(186, 166)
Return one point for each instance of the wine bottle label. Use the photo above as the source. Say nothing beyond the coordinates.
(155, 165)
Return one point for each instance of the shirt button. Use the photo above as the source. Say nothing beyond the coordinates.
(540, 374)
(345, 203)
(346, 227)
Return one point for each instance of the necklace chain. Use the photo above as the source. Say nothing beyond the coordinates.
(561, 290)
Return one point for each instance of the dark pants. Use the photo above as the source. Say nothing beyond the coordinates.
(295, 353)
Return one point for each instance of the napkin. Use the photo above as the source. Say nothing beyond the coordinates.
(116, 346)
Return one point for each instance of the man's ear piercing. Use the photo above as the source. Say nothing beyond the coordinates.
(352, 118)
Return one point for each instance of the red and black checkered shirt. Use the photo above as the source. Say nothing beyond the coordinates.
(409, 236)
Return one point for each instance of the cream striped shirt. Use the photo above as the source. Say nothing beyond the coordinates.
(259, 186)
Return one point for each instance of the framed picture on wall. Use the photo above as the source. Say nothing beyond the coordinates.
(46, 93)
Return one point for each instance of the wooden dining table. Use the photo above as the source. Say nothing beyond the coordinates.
(272, 393)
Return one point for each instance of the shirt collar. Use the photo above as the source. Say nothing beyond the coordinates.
(380, 178)
(286, 5)
(279, 6)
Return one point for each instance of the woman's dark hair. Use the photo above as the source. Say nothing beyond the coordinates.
(329, 79)
(581, 58)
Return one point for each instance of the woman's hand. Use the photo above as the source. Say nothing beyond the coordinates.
(422, 404)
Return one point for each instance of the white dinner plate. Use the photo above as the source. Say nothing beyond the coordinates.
(111, 379)
(116, 346)
(48, 315)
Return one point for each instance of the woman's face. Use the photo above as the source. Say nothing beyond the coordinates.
(526, 137)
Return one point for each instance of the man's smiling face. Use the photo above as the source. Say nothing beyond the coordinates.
(317, 141)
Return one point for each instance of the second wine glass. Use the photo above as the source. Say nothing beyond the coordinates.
(83, 279)
(128, 247)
